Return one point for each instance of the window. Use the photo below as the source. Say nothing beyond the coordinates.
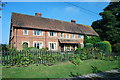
(61, 34)
(52, 34)
(73, 36)
(25, 45)
(68, 36)
(52, 46)
(79, 36)
(37, 32)
(25, 32)
(38, 45)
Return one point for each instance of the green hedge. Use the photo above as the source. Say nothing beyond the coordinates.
(105, 46)
(88, 45)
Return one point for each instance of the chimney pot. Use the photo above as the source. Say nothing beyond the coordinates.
(73, 21)
(38, 14)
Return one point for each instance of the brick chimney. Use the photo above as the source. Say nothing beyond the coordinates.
(73, 21)
(38, 14)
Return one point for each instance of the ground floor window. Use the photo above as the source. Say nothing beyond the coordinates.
(38, 45)
(52, 46)
(25, 45)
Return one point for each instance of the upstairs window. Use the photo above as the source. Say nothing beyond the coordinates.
(38, 32)
(73, 36)
(79, 36)
(25, 32)
(68, 36)
(61, 34)
(52, 33)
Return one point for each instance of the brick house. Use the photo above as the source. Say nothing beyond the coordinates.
(37, 31)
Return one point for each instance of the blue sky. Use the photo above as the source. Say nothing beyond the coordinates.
(54, 10)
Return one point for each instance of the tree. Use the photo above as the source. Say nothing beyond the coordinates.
(109, 26)
(2, 4)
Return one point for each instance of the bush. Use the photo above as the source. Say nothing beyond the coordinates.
(108, 48)
(116, 47)
(30, 49)
(78, 51)
(104, 45)
(88, 45)
(94, 39)
(75, 60)
(44, 49)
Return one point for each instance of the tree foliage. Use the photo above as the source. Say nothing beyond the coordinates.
(92, 39)
(108, 26)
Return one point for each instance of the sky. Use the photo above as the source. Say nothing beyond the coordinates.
(83, 12)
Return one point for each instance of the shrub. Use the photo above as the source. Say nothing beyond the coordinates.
(30, 49)
(116, 47)
(44, 49)
(108, 48)
(94, 39)
(75, 60)
(78, 51)
(88, 45)
(104, 45)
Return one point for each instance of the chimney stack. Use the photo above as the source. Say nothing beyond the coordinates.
(38, 14)
(73, 21)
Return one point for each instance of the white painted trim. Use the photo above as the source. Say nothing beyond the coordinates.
(27, 32)
(52, 31)
(37, 42)
(27, 42)
(62, 35)
(53, 42)
(38, 35)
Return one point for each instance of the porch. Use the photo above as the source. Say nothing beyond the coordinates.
(69, 44)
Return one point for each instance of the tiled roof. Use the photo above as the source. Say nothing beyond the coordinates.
(21, 20)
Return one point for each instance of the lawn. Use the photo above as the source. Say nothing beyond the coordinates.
(59, 70)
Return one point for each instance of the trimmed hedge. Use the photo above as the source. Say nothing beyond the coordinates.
(105, 46)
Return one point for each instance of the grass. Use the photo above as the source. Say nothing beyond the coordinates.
(59, 70)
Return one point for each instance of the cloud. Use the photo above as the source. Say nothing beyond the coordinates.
(71, 9)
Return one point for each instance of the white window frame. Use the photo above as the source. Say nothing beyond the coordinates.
(27, 42)
(40, 34)
(39, 43)
(24, 32)
(54, 33)
(62, 35)
(56, 46)
(67, 36)
(73, 35)
(80, 35)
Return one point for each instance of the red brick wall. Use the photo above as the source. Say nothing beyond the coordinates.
(19, 38)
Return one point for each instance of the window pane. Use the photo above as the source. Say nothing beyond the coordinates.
(79, 36)
(34, 44)
(34, 32)
(52, 46)
(40, 32)
(25, 31)
(40, 46)
(37, 32)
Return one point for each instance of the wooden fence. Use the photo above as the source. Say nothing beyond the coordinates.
(35, 57)
(39, 57)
